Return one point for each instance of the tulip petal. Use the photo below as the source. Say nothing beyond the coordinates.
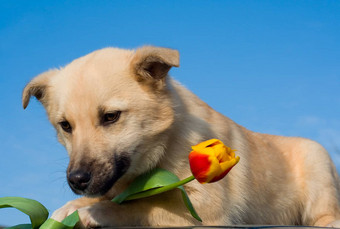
(200, 165)
(226, 165)
(221, 152)
(214, 169)
(205, 144)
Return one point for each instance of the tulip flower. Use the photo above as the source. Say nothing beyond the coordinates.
(211, 160)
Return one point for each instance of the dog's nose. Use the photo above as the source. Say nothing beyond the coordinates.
(79, 179)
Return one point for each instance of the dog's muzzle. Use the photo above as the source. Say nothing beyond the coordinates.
(95, 179)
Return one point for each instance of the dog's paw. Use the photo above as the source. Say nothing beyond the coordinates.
(65, 210)
(335, 224)
(86, 219)
(98, 215)
(92, 213)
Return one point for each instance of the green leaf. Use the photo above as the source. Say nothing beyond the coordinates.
(71, 220)
(20, 226)
(189, 204)
(68, 223)
(52, 224)
(35, 210)
(156, 182)
(148, 181)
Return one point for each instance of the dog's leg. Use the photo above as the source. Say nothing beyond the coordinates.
(324, 209)
(322, 192)
(326, 214)
(335, 223)
(73, 205)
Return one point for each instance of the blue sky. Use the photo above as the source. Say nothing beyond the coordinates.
(271, 66)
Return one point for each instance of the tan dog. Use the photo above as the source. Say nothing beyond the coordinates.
(119, 115)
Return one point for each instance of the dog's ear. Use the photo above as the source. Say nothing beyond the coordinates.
(37, 88)
(153, 63)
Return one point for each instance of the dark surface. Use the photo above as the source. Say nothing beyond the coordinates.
(218, 227)
(224, 227)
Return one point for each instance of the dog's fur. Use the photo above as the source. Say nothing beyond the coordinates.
(279, 180)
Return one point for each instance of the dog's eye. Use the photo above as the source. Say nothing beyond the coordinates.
(110, 117)
(66, 126)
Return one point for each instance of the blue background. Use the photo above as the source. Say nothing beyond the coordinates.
(271, 66)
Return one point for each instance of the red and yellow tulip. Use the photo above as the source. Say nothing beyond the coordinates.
(211, 160)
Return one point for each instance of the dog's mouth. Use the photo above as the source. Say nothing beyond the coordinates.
(95, 179)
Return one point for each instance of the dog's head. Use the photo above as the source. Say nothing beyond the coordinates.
(111, 110)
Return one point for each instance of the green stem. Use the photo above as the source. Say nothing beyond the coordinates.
(156, 191)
